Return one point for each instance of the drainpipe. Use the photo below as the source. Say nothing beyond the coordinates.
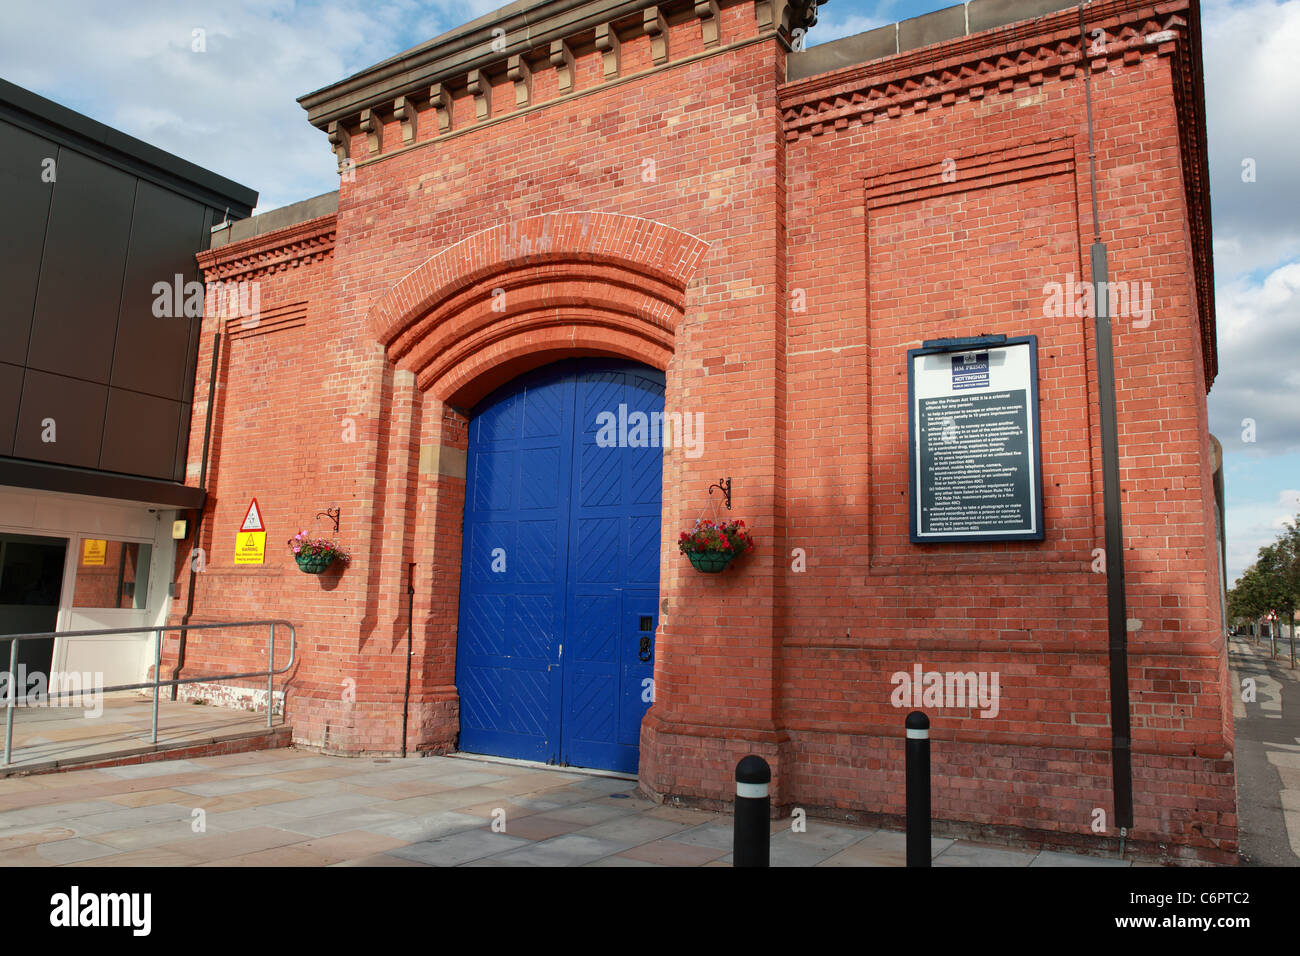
(198, 522)
(1116, 603)
(410, 620)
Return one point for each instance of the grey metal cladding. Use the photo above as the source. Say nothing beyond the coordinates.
(151, 354)
(81, 273)
(89, 137)
(140, 434)
(77, 411)
(196, 328)
(26, 208)
(11, 388)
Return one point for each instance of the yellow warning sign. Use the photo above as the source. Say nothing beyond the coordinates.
(93, 550)
(250, 547)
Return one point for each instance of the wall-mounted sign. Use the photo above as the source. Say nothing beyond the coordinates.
(973, 441)
(252, 518)
(250, 541)
(93, 551)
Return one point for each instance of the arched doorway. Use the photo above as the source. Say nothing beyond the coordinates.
(560, 567)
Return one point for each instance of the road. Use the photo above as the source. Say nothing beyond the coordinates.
(1268, 754)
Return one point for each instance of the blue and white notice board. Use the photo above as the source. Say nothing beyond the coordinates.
(974, 449)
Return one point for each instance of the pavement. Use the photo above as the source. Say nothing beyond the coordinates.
(1267, 751)
(54, 736)
(292, 807)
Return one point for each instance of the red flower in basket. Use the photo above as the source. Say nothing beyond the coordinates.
(711, 546)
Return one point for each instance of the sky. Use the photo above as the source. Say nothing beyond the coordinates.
(231, 108)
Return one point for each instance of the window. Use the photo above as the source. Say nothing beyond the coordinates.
(112, 574)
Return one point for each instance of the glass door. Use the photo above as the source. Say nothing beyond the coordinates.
(31, 579)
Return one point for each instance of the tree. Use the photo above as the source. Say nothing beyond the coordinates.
(1272, 583)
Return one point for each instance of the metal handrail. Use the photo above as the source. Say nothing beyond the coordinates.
(156, 683)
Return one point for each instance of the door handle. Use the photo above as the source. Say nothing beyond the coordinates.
(644, 652)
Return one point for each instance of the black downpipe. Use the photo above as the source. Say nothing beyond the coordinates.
(410, 622)
(1116, 604)
(198, 521)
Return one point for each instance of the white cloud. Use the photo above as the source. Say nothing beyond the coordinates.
(1259, 338)
(231, 108)
(1251, 91)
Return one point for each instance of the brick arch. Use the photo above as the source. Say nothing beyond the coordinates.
(537, 290)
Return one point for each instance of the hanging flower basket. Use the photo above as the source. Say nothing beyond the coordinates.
(315, 555)
(712, 546)
(710, 562)
(313, 563)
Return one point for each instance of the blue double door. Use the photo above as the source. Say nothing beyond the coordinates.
(560, 570)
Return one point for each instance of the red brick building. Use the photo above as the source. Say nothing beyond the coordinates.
(683, 197)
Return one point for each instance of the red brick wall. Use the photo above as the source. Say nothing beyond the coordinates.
(761, 189)
(889, 253)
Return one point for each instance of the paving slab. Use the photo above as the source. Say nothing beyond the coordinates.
(155, 856)
(273, 856)
(147, 798)
(589, 814)
(18, 837)
(820, 836)
(146, 838)
(718, 834)
(297, 808)
(882, 848)
(556, 799)
(624, 861)
(428, 826)
(350, 845)
(458, 848)
(305, 807)
(225, 785)
(571, 849)
(224, 846)
(1055, 858)
(380, 859)
(54, 812)
(634, 829)
(538, 827)
(976, 854)
(341, 821)
(670, 853)
(76, 850)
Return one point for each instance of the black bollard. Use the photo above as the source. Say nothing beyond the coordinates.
(752, 837)
(918, 789)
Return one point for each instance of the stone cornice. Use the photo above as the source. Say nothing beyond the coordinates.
(272, 252)
(524, 32)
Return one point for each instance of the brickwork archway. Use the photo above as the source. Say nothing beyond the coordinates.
(532, 291)
(469, 319)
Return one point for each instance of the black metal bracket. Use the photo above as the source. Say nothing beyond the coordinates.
(332, 514)
(970, 342)
(724, 486)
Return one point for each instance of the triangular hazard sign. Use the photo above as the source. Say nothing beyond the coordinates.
(252, 520)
